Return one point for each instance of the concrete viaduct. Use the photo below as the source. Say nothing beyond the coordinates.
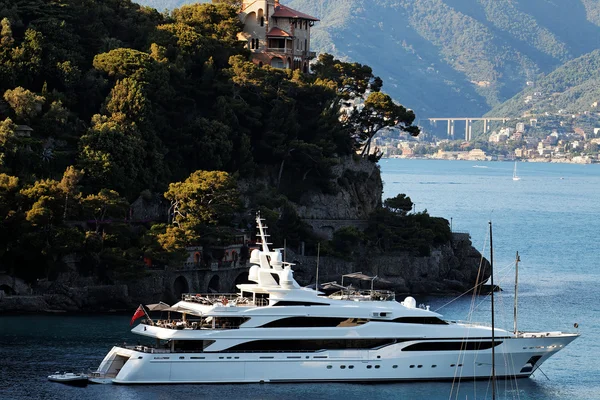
(468, 124)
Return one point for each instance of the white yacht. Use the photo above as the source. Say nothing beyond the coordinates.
(276, 331)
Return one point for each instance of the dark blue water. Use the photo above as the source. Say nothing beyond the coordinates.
(553, 223)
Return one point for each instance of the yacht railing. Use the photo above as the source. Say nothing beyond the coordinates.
(364, 295)
(221, 323)
(471, 324)
(224, 299)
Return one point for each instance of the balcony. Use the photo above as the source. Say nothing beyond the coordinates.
(281, 50)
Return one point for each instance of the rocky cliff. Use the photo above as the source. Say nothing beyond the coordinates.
(450, 269)
(359, 192)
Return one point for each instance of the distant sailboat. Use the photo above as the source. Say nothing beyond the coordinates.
(515, 176)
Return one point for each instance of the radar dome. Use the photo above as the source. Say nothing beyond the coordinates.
(277, 261)
(286, 278)
(409, 302)
(255, 257)
(253, 273)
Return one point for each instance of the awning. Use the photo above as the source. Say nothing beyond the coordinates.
(178, 308)
(363, 277)
(160, 306)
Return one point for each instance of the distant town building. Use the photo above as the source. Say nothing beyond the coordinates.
(477, 155)
(520, 127)
(276, 35)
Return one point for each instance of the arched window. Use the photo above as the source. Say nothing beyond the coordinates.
(262, 21)
(277, 62)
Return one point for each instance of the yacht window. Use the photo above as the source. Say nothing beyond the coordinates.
(188, 346)
(352, 322)
(297, 303)
(304, 322)
(421, 320)
(224, 322)
(450, 346)
(294, 345)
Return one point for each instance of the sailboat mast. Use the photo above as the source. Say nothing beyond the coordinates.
(517, 259)
(493, 322)
(317, 275)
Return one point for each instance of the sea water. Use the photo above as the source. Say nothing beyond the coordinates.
(551, 217)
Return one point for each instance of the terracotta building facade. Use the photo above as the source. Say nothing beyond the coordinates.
(276, 34)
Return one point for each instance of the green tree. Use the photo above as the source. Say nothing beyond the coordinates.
(25, 104)
(8, 139)
(105, 206)
(112, 153)
(219, 20)
(204, 198)
(43, 202)
(128, 97)
(351, 80)
(401, 204)
(69, 184)
(379, 111)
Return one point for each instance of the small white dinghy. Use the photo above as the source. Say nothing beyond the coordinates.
(69, 378)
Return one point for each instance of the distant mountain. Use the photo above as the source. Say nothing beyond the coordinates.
(451, 57)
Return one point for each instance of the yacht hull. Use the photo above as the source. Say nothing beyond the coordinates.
(515, 357)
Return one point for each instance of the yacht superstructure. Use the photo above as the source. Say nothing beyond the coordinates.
(276, 331)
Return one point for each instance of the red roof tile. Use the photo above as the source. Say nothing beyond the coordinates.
(282, 11)
(278, 33)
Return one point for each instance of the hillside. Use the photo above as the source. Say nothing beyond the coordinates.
(571, 88)
(455, 57)
(104, 104)
(451, 57)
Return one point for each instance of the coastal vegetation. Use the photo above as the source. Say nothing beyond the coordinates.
(107, 102)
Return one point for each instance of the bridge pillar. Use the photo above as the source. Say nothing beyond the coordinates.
(451, 128)
(468, 129)
(485, 126)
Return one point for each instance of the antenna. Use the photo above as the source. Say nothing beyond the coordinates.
(261, 232)
(317, 275)
(493, 325)
(517, 259)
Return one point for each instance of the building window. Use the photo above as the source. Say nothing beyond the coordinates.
(262, 21)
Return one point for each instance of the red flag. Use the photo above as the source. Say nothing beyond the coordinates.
(138, 313)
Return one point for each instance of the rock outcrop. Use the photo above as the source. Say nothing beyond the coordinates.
(359, 192)
(450, 269)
